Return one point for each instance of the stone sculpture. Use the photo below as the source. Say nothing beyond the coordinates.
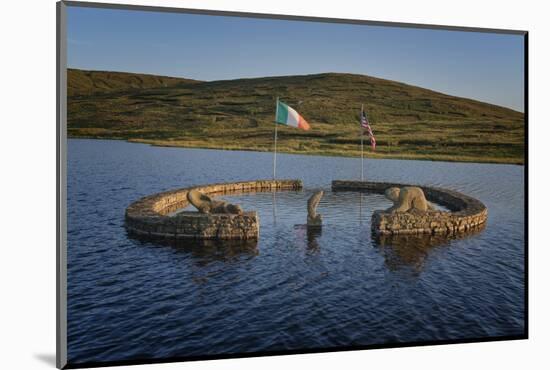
(407, 199)
(313, 218)
(204, 204)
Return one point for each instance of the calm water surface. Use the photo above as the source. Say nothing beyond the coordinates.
(136, 299)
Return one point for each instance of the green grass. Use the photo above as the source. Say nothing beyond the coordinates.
(409, 122)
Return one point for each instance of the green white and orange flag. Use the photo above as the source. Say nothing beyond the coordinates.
(288, 116)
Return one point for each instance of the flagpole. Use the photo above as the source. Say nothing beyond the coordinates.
(275, 139)
(360, 208)
(361, 133)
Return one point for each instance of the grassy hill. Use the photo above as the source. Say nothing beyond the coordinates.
(408, 121)
(97, 82)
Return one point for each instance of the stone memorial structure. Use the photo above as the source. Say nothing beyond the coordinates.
(151, 216)
(407, 199)
(204, 204)
(408, 216)
(313, 218)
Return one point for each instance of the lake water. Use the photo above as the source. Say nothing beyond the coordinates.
(131, 299)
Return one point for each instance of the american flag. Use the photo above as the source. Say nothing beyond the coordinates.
(365, 125)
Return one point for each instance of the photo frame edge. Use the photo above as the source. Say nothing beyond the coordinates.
(61, 185)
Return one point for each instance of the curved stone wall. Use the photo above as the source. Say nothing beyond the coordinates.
(466, 213)
(149, 216)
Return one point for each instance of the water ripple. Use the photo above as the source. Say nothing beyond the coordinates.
(293, 289)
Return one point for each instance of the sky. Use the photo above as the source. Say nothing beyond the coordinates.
(482, 66)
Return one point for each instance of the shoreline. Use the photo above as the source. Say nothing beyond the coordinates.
(368, 154)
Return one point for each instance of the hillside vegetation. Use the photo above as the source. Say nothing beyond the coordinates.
(408, 121)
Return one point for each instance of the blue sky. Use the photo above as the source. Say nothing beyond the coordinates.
(481, 66)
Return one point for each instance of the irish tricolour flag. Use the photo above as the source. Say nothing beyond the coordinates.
(288, 116)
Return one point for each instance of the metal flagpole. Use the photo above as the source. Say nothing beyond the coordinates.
(275, 162)
(361, 133)
(275, 139)
(360, 208)
(273, 200)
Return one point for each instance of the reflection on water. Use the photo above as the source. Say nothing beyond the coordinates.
(313, 233)
(295, 288)
(308, 236)
(206, 251)
(411, 250)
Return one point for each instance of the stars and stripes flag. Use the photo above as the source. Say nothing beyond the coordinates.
(367, 129)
